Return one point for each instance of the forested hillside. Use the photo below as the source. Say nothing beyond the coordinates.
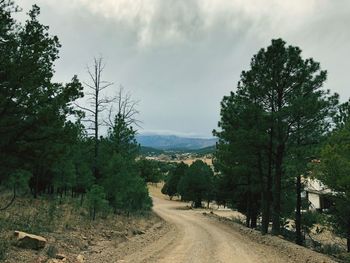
(47, 141)
(172, 142)
(75, 175)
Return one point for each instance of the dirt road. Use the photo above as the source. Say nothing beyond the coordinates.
(196, 238)
(188, 236)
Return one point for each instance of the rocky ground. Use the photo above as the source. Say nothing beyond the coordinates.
(289, 252)
(173, 233)
(71, 236)
(208, 238)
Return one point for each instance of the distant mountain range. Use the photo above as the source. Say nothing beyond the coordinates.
(172, 142)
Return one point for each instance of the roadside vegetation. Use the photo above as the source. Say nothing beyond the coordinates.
(69, 155)
(52, 148)
(279, 128)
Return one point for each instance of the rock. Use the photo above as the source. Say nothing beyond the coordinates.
(96, 251)
(91, 243)
(80, 259)
(158, 226)
(138, 232)
(30, 241)
(108, 235)
(60, 256)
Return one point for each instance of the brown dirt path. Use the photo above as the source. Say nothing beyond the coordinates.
(196, 238)
(191, 236)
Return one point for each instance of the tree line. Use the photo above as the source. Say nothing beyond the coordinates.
(50, 143)
(278, 128)
(193, 182)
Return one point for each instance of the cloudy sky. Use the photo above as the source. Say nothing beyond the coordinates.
(180, 57)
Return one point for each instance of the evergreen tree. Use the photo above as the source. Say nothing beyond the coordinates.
(149, 170)
(96, 200)
(33, 110)
(240, 155)
(170, 187)
(125, 189)
(197, 183)
(277, 103)
(334, 172)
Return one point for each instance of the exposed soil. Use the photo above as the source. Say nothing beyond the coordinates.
(176, 234)
(70, 232)
(201, 238)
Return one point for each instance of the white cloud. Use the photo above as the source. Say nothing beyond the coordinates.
(157, 22)
(179, 57)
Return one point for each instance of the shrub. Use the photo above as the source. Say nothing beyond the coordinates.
(51, 251)
(4, 246)
(331, 249)
(126, 190)
(96, 200)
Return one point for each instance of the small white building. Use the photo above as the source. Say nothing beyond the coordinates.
(317, 194)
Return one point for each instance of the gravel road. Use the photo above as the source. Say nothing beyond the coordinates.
(190, 236)
(196, 238)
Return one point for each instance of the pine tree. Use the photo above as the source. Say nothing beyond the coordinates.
(170, 187)
(33, 109)
(281, 100)
(334, 172)
(197, 183)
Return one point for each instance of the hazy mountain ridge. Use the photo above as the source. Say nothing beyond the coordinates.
(167, 142)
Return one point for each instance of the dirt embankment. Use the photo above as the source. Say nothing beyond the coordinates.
(175, 234)
(198, 237)
(209, 239)
(289, 251)
(70, 232)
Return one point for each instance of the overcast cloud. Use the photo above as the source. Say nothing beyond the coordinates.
(180, 57)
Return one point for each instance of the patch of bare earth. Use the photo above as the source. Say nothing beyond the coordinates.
(205, 237)
(111, 251)
(289, 251)
(175, 233)
(70, 232)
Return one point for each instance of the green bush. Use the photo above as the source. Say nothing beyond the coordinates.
(51, 251)
(4, 246)
(126, 190)
(331, 249)
(96, 200)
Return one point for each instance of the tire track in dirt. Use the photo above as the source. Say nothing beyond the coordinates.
(195, 238)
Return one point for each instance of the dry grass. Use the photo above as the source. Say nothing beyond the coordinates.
(208, 161)
(66, 226)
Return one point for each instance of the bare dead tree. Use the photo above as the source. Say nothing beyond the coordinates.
(97, 103)
(125, 107)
